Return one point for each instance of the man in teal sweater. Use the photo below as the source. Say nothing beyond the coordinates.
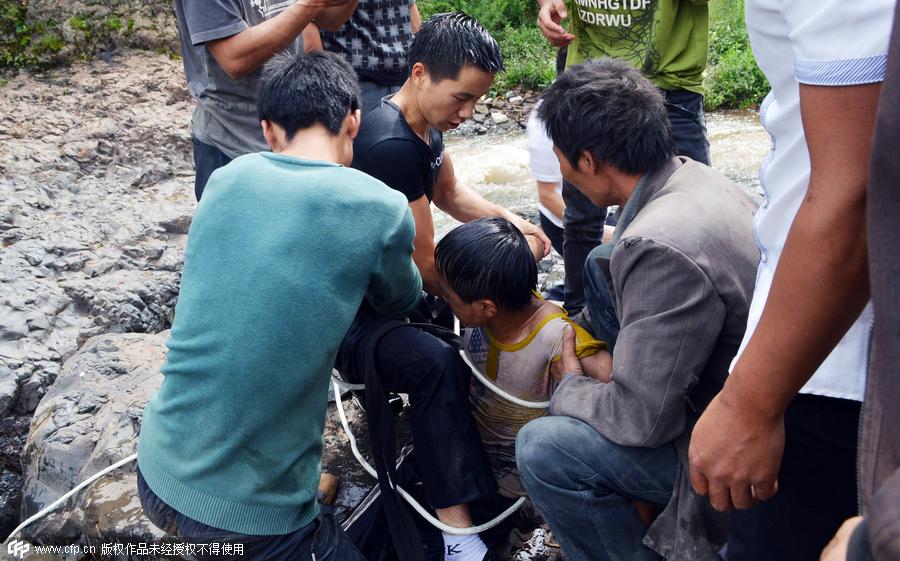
(283, 249)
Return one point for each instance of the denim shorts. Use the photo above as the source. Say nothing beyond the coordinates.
(321, 540)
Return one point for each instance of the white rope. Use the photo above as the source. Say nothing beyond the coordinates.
(345, 386)
(65, 497)
(492, 386)
(412, 502)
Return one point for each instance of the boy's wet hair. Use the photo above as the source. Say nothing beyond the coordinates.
(488, 258)
(611, 110)
(447, 42)
(298, 91)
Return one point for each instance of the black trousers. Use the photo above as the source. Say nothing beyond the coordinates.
(320, 540)
(817, 486)
(207, 159)
(447, 445)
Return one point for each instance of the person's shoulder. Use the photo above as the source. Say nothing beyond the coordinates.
(245, 166)
(366, 189)
(383, 122)
(696, 204)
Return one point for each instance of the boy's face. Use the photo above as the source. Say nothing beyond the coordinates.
(470, 314)
(448, 103)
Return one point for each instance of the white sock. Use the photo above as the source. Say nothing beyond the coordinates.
(464, 548)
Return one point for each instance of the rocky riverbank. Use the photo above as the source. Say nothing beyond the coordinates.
(95, 203)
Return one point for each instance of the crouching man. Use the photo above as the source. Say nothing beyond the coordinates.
(670, 293)
(274, 273)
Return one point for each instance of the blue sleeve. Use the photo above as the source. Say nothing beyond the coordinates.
(395, 287)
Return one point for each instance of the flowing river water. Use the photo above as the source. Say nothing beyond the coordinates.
(497, 165)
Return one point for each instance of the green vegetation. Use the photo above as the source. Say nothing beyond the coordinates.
(24, 42)
(39, 43)
(732, 78)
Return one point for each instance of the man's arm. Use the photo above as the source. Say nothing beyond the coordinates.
(466, 205)
(671, 317)
(549, 16)
(396, 286)
(423, 254)
(415, 18)
(550, 198)
(820, 287)
(312, 40)
(250, 49)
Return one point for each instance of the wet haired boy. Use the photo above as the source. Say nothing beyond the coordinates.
(231, 444)
(453, 61)
(489, 276)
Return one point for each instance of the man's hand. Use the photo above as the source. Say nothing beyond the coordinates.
(549, 16)
(568, 362)
(836, 550)
(735, 454)
(530, 229)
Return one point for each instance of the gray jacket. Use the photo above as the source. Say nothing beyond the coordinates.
(880, 442)
(682, 275)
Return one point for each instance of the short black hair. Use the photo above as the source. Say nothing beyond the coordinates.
(298, 91)
(488, 258)
(607, 107)
(447, 42)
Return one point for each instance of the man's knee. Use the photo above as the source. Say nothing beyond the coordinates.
(430, 362)
(546, 449)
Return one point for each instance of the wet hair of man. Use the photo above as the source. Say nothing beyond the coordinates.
(299, 91)
(490, 259)
(610, 109)
(447, 42)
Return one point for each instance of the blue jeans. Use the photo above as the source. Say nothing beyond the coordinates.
(207, 159)
(584, 485)
(322, 539)
(583, 222)
(598, 297)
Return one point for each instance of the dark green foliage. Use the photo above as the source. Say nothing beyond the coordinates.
(495, 15)
(24, 42)
(733, 80)
(39, 43)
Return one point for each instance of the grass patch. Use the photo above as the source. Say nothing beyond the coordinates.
(733, 80)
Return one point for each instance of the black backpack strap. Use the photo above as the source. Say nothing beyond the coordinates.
(382, 441)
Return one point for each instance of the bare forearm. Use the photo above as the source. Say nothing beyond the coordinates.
(552, 200)
(429, 274)
(250, 49)
(802, 322)
(466, 205)
(821, 284)
(331, 19)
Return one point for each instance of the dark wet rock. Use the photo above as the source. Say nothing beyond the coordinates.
(88, 420)
(91, 418)
(125, 300)
(95, 197)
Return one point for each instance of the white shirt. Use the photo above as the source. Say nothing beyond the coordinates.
(544, 165)
(823, 43)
